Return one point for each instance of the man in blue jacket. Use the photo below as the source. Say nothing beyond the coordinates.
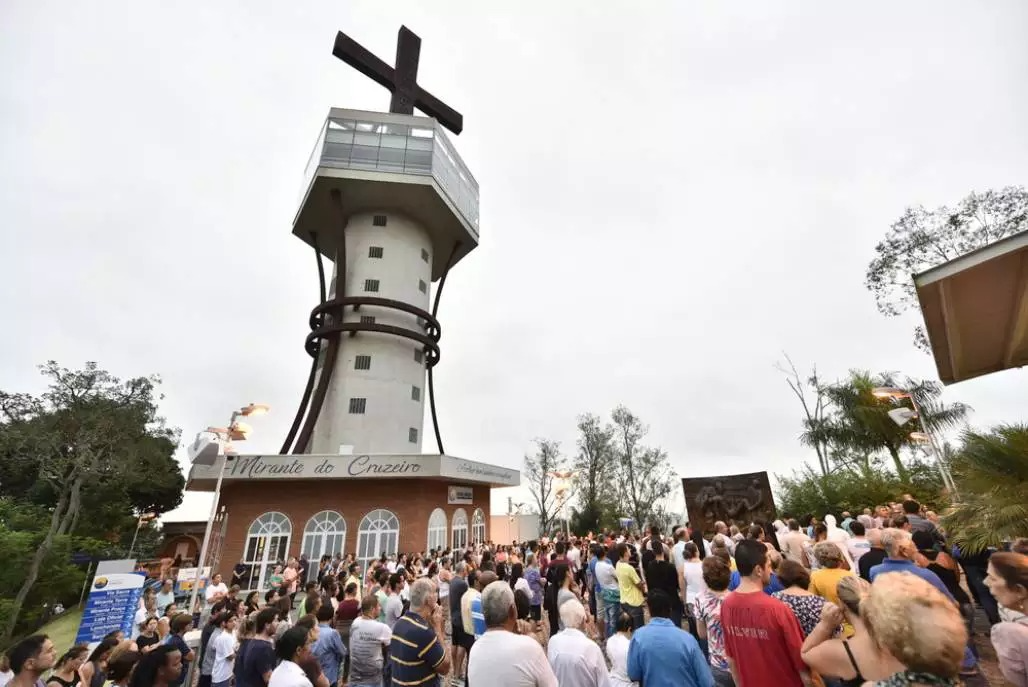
(899, 551)
(662, 655)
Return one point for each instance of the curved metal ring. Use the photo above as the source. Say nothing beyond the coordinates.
(431, 377)
(335, 308)
(431, 346)
(332, 350)
(432, 326)
(312, 375)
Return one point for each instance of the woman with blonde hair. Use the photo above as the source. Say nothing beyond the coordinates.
(830, 572)
(856, 659)
(124, 646)
(120, 667)
(719, 547)
(915, 624)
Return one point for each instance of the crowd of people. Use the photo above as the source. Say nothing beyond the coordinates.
(876, 599)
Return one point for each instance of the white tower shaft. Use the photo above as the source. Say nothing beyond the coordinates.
(389, 201)
(375, 398)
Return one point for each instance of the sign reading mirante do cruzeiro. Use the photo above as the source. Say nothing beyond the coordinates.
(276, 467)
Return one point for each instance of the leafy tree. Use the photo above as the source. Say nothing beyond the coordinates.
(665, 519)
(539, 471)
(21, 527)
(88, 442)
(992, 471)
(147, 481)
(859, 424)
(644, 476)
(855, 487)
(594, 468)
(921, 239)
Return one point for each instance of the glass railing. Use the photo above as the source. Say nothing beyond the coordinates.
(399, 144)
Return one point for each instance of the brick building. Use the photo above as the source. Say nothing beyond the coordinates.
(276, 507)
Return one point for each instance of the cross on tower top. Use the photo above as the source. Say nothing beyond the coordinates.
(401, 80)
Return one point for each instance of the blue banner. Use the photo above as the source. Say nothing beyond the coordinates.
(111, 606)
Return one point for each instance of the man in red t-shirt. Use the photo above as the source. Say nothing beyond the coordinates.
(762, 636)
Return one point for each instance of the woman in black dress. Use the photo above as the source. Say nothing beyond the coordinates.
(252, 603)
(661, 574)
(148, 638)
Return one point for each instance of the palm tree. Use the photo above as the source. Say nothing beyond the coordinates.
(992, 471)
(860, 424)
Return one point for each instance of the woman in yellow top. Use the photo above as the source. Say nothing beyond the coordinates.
(825, 581)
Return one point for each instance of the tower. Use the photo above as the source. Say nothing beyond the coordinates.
(391, 208)
(389, 202)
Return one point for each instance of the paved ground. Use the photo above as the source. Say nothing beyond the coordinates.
(988, 662)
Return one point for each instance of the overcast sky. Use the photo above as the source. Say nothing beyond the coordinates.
(669, 200)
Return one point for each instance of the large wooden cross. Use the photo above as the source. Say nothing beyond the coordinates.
(401, 80)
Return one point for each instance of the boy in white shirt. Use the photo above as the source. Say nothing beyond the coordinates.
(224, 648)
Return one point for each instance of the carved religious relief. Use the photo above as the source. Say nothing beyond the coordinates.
(732, 499)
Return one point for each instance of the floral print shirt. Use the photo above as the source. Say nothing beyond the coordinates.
(708, 609)
(807, 609)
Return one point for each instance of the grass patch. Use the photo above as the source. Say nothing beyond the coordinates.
(62, 630)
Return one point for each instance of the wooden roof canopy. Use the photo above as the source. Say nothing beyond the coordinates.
(975, 310)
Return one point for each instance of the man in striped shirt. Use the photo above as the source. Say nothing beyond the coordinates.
(417, 653)
(477, 618)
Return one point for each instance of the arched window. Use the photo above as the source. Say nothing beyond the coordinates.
(267, 544)
(478, 526)
(378, 533)
(324, 535)
(437, 529)
(460, 528)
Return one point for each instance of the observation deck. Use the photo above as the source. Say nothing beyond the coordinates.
(383, 161)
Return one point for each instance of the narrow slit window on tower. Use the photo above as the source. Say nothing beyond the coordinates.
(362, 362)
(367, 319)
(378, 221)
(424, 255)
(376, 251)
(412, 435)
(358, 406)
(371, 285)
(415, 393)
(419, 356)
(422, 286)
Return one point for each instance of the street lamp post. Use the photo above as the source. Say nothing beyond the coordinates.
(237, 431)
(564, 495)
(514, 509)
(140, 521)
(927, 436)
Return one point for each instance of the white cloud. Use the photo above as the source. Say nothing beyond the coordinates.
(669, 199)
